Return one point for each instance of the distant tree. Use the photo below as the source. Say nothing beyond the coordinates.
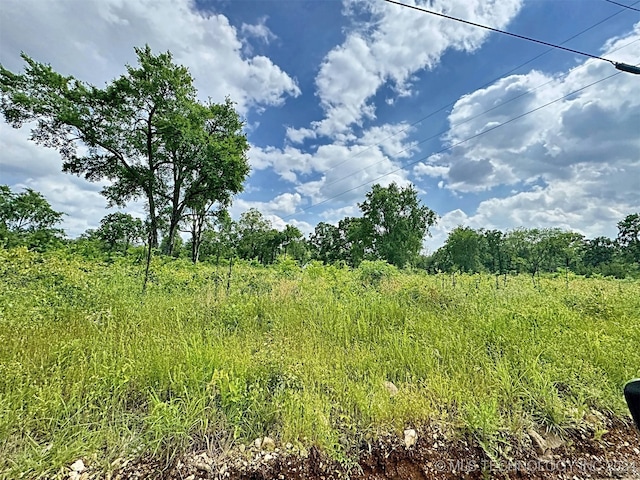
(27, 218)
(354, 240)
(120, 230)
(395, 222)
(252, 231)
(290, 236)
(598, 251)
(629, 236)
(325, 242)
(465, 248)
(497, 255)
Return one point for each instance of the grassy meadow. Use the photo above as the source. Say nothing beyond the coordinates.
(92, 368)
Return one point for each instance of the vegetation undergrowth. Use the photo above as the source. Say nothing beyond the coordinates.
(92, 368)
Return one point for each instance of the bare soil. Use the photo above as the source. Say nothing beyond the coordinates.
(608, 450)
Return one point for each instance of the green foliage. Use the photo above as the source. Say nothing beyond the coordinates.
(373, 272)
(629, 236)
(145, 132)
(395, 223)
(121, 230)
(536, 251)
(27, 219)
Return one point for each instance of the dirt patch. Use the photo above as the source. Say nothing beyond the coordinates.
(607, 449)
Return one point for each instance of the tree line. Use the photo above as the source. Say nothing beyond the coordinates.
(535, 250)
(392, 228)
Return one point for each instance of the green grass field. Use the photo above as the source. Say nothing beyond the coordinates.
(90, 367)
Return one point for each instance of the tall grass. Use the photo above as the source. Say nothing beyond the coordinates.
(91, 368)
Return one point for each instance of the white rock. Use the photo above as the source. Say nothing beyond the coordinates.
(410, 437)
(78, 466)
(268, 444)
(538, 442)
(391, 388)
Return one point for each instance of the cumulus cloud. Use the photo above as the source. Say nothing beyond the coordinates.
(578, 158)
(341, 170)
(283, 204)
(259, 31)
(206, 43)
(595, 125)
(390, 48)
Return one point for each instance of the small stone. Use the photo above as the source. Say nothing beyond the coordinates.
(553, 441)
(268, 444)
(268, 457)
(410, 437)
(288, 446)
(242, 447)
(78, 466)
(191, 477)
(203, 467)
(391, 388)
(538, 442)
(258, 443)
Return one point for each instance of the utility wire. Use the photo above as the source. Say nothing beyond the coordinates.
(466, 120)
(623, 5)
(620, 66)
(477, 88)
(484, 132)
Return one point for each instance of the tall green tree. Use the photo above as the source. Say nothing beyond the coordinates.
(396, 223)
(253, 233)
(145, 132)
(598, 251)
(206, 151)
(325, 242)
(355, 242)
(26, 218)
(497, 259)
(466, 249)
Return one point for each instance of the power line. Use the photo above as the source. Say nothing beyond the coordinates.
(469, 119)
(634, 69)
(453, 103)
(620, 66)
(513, 119)
(623, 5)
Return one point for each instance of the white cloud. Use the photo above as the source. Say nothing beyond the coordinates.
(259, 31)
(396, 43)
(344, 170)
(208, 44)
(283, 204)
(580, 155)
(555, 143)
(422, 170)
(298, 135)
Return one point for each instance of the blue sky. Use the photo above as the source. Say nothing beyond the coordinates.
(338, 95)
